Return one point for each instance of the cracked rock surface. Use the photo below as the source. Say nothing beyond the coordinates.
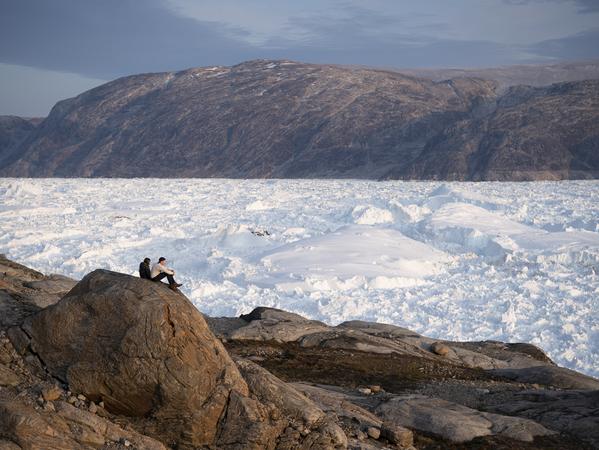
(123, 363)
(140, 348)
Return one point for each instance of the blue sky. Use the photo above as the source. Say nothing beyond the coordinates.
(53, 49)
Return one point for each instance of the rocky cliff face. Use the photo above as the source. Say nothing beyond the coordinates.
(284, 119)
(528, 134)
(13, 131)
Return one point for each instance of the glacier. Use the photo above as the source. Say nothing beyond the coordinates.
(460, 261)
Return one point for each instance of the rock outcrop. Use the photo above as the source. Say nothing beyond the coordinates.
(135, 351)
(24, 291)
(121, 362)
(455, 422)
(284, 119)
(572, 411)
(141, 349)
(64, 427)
(454, 390)
(316, 430)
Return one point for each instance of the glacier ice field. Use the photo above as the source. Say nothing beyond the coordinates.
(515, 262)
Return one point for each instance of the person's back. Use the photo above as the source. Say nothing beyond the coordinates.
(144, 269)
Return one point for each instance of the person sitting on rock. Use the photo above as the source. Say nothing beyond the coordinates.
(160, 271)
(144, 269)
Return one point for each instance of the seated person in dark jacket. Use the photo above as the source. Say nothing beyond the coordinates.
(144, 269)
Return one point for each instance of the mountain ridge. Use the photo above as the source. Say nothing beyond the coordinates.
(284, 119)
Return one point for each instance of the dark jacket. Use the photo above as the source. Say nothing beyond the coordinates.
(144, 271)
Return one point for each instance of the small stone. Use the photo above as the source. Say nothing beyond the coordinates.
(20, 341)
(398, 435)
(5, 358)
(374, 432)
(535, 386)
(361, 435)
(292, 434)
(305, 432)
(72, 399)
(92, 408)
(49, 406)
(34, 365)
(126, 443)
(376, 389)
(8, 377)
(440, 349)
(101, 404)
(51, 393)
(364, 391)
(40, 400)
(82, 397)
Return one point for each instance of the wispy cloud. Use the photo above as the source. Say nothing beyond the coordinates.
(110, 38)
(584, 6)
(578, 46)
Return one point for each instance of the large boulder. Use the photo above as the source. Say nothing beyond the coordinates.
(143, 350)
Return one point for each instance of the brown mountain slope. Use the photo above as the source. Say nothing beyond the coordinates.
(13, 130)
(265, 119)
(531, 134)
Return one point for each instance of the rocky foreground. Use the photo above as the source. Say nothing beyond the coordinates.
(284, 119)
(115, 361)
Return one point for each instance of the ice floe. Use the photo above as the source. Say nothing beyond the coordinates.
(462, 261)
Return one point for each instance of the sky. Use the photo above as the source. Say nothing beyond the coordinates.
(55, 49)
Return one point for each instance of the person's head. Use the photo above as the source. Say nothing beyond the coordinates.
(147, 260)
(162, 260)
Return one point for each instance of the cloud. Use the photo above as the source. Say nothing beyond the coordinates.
(584, 6)
(357, 35)
(110, 38)
(578, 46)
(588, 6)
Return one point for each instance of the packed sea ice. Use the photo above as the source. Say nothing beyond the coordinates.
(515, 262)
